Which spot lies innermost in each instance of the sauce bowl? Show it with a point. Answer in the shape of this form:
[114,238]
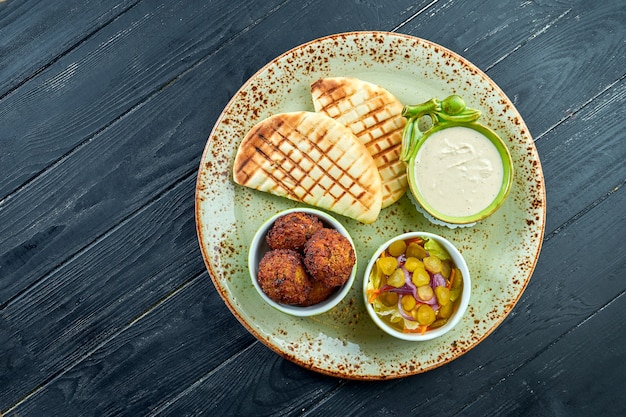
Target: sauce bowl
[459,171]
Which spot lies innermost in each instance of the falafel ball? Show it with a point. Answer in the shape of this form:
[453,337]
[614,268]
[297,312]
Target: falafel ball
[292,230]
[283,277]
[319,292]
[329,257]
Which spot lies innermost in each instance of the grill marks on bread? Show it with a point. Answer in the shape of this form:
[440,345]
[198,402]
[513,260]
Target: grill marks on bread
[311,158]
[375,116]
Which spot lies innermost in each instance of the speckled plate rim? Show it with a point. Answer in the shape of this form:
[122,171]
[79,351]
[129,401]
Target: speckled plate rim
[220,247]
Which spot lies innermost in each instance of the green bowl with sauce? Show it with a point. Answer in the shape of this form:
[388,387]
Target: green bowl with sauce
[459,171]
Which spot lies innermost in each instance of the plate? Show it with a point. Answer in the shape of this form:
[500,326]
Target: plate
[501,251]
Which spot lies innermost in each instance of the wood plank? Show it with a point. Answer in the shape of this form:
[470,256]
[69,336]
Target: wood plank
[534,61]
[129,60]
[99,292]
[491,30]
[103,183]
[553,70]
[591,156]
[116,70]
[537,53]
[140,368]
[545,386]
[22,246]
[441,378]
[282,388]
[34,34]
[97,190]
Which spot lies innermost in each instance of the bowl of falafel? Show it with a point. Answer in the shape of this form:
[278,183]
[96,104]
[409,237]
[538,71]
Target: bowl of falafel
[302,261]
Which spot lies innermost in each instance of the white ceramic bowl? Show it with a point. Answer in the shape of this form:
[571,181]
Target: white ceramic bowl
[259,247]
[456,315]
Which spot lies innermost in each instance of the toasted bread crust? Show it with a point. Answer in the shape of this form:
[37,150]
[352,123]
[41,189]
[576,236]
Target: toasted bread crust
[311,158]
[375,116]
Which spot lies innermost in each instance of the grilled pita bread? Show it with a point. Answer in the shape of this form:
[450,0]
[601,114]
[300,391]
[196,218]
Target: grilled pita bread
[373,114]
[311,158]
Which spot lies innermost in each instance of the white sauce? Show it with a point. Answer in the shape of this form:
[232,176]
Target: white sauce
[458,171]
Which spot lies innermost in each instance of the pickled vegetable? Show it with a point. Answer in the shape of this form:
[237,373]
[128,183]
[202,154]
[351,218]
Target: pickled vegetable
[408,302]
[396,279]
[415,285]
[416,251]
[458,279]
[433,264]
[446,311]
[438,323]
[425,292]
[455,293]
[412,263]
[389,299]
[425,314]
[397,248]
[456,285]
[446,269]
[387,264]
[443,295]
[420,277]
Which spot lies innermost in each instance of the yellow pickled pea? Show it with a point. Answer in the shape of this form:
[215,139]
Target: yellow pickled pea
[446,268]
[412,263]
[408,302]
[397,248]
[389,299]
[433,264]
[416,251]
[396,279]
[425,292]
[420,277]
[455,293]
[425,315]
[443,295]
[438,323]
[387,264]
[446,311]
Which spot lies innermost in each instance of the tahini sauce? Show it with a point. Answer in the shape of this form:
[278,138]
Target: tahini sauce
[458,171]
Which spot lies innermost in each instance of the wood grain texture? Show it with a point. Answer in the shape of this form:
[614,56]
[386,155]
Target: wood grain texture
[285,387]
[130,163]
[105,305]
[95,199]
[109,75]
[35,34]
[88,300]
[579,316]
[554,70]
[149,360]
[546,385]
[492,30]
[586,150]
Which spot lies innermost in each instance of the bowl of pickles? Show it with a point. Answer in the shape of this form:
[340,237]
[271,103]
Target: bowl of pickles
[417,286]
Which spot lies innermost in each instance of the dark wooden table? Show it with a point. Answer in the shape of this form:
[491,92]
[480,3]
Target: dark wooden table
[106,307]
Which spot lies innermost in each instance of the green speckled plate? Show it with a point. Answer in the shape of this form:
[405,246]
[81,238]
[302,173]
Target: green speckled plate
[501,251]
